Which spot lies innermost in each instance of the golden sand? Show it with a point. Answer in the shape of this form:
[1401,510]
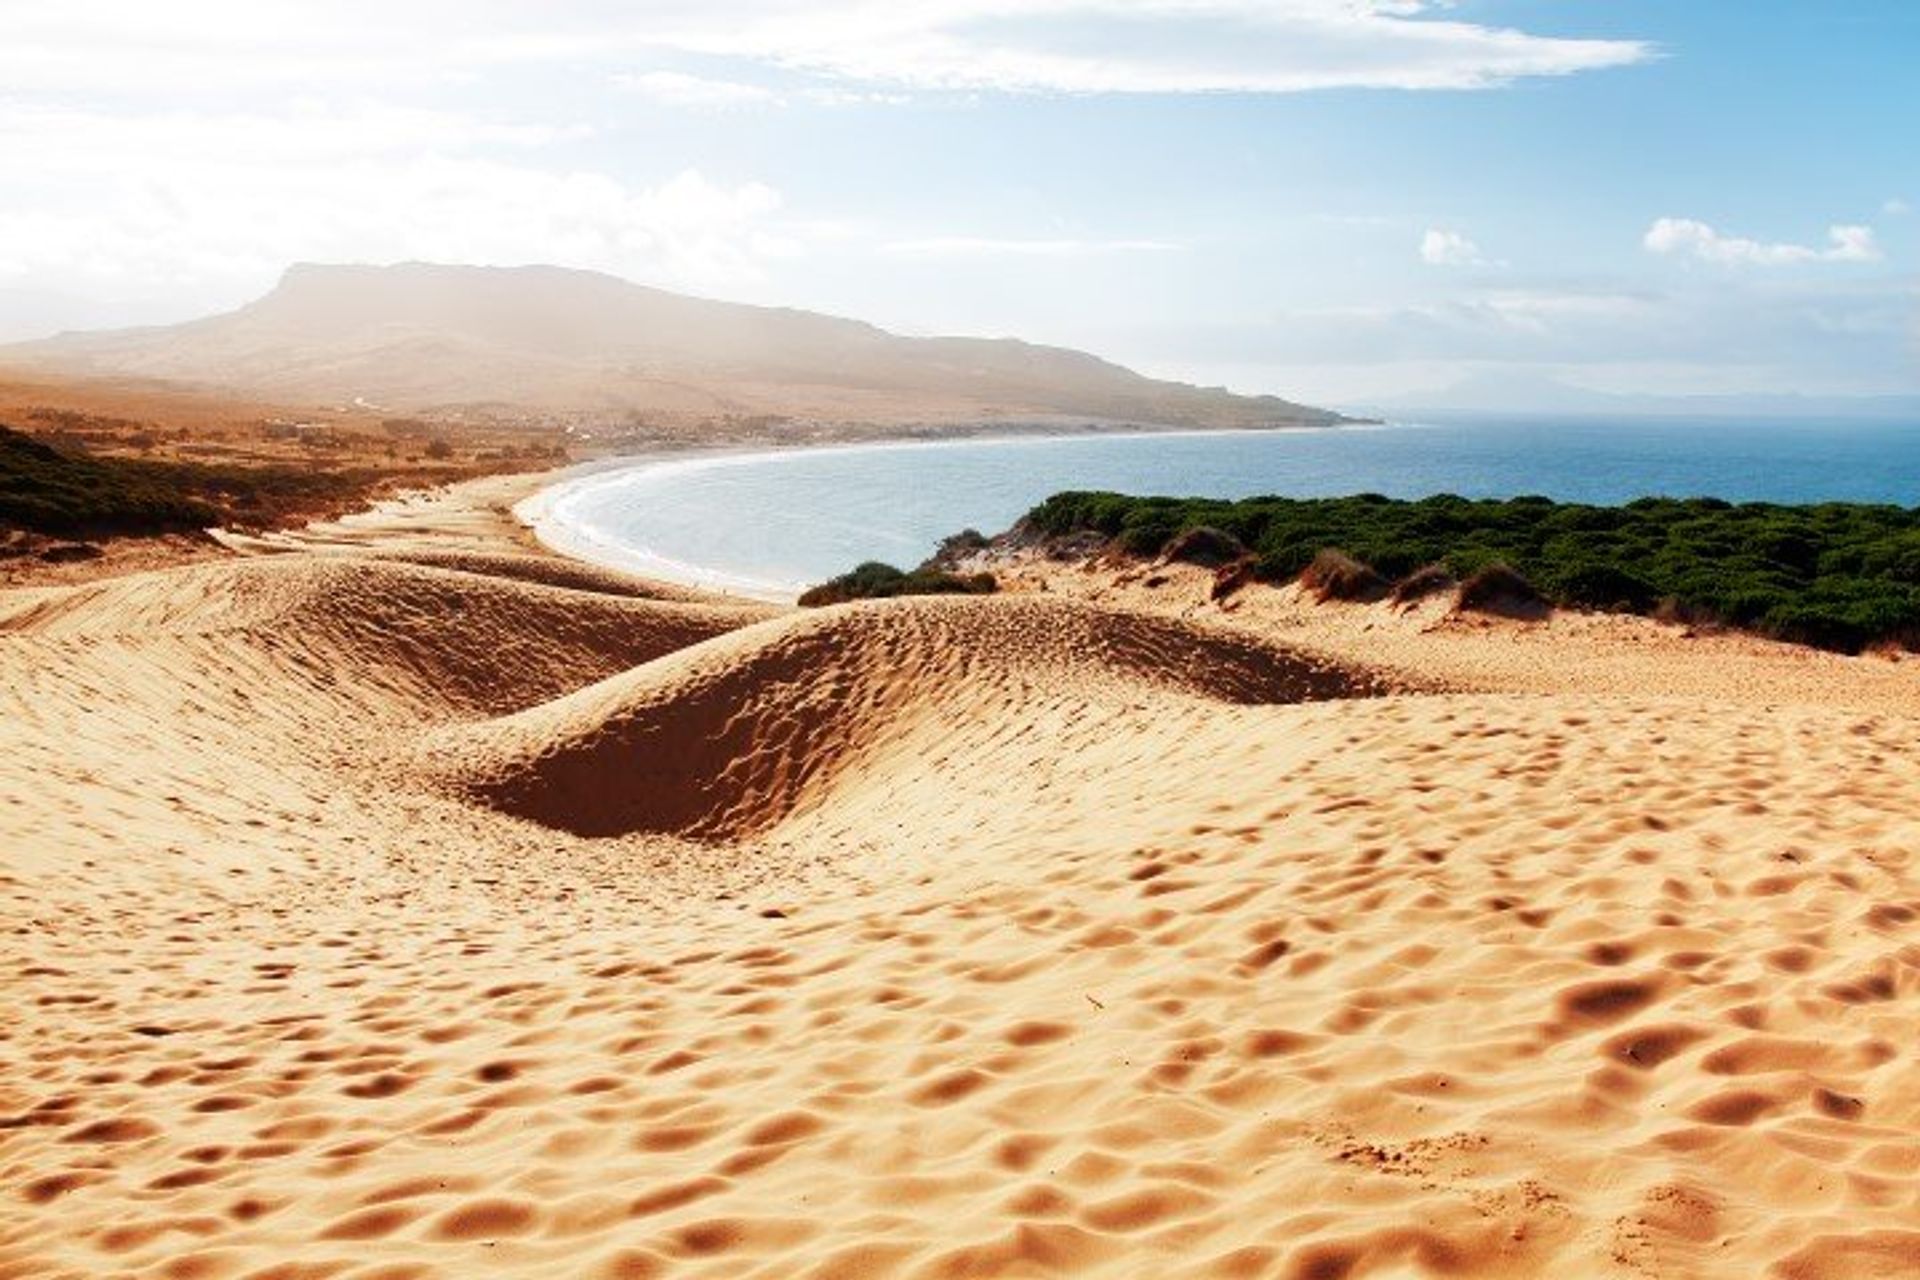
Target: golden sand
[404,906]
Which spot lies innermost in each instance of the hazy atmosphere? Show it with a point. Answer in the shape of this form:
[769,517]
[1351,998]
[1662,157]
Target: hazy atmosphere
[1340,201]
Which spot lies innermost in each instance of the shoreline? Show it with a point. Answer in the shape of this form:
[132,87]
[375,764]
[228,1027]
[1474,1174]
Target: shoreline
[865,500]
[551,530]
[535,514]
[519,501]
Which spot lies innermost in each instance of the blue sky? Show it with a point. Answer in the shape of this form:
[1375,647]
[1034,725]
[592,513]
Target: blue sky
[1332,199]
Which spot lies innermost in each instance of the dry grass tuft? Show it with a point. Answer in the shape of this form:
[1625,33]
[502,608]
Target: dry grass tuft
[1499,589]
[1335,575]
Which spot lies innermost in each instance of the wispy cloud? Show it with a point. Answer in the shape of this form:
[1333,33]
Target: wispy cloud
[1755,330]
[1687,236]
[1134,46]
[698,93]
[1044,46]
[990,247]
[1441,248]
[1896,207]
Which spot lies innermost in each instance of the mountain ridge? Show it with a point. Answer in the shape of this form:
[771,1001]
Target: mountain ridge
[426,337]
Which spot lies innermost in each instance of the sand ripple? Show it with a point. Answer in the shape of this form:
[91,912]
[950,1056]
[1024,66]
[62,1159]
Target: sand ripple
[366,919]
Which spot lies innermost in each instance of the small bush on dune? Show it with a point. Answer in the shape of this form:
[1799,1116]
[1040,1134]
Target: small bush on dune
[954,549]
[1205,546]
[1497,589]
[1419,585]
[876,581]
[1677,612]
[1229,578]
[1335,575]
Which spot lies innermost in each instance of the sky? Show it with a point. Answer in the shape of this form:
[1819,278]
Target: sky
[1334,200]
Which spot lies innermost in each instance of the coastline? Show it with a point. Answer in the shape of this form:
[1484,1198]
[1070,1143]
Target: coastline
[551,529]
[537,515]
[780,526]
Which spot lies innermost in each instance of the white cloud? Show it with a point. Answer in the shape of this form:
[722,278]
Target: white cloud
[676,89]
[705,93]
[828,96]
[43,140]
[1439,248]
[1070,46]
[982,247]
[219,226]
[210,208]
[1133,46]
[167,151]
[1685,235]
[1896,208]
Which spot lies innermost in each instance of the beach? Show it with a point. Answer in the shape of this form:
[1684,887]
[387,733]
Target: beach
[398,899]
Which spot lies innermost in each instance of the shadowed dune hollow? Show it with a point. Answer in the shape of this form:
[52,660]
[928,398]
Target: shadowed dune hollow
[726,739]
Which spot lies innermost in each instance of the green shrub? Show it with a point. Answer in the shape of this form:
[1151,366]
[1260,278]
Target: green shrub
[874,580]
[1501,589]
[47,490]
[1837,575]
[1205,546]
[1598,584]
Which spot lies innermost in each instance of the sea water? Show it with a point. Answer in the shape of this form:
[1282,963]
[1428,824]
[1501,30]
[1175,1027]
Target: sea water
[770,523]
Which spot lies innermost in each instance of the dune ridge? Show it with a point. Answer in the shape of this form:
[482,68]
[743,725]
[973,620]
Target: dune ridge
[1012,936]
[727,739]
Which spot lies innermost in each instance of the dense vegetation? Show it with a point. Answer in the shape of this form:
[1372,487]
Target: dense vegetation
[1837,575]
[873,581]
[48,490]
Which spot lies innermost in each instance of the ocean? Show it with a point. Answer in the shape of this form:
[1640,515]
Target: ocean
[771,523]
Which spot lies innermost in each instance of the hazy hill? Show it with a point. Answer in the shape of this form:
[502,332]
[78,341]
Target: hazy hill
[421,337]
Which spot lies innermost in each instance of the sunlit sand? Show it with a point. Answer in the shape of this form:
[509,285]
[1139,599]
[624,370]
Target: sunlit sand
[378,910]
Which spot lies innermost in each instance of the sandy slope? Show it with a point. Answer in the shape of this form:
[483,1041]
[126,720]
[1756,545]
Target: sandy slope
[378,918]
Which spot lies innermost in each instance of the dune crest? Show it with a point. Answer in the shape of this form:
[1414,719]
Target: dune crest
[726,740]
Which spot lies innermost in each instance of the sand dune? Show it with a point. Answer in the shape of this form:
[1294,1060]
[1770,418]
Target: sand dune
[378,919]
[545,571]
[730,738]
